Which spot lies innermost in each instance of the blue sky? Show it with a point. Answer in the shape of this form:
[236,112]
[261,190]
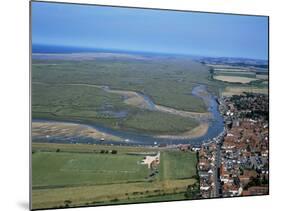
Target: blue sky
[189,33]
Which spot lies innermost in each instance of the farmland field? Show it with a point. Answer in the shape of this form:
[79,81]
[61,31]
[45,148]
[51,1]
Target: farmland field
[238,80]
[77,175]
[262,76]
[234,79]
[233,90]
[247,74]
[239,74]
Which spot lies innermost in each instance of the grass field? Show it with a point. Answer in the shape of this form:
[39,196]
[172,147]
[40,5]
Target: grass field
[77,175]
[79,196]
[173,168]
[70,169]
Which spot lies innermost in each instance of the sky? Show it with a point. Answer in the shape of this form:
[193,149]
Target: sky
[190,33]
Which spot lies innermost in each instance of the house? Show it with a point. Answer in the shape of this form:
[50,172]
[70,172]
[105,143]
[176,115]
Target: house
[150,160]
[255,190]
[185,147]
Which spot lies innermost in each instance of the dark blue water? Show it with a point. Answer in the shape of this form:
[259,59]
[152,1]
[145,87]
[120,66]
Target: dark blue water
[38,48]
[56,49]
[216,127]
[216,123]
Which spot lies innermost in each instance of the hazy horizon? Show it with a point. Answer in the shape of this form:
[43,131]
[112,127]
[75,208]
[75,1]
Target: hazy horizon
[85,49]
[147,30]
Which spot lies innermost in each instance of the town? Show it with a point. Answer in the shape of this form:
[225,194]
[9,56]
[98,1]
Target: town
[236,163]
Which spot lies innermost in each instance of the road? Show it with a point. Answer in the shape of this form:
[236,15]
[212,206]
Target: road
[216,175]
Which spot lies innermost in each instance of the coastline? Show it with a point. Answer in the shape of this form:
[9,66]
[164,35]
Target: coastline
[46,129]
[67,129]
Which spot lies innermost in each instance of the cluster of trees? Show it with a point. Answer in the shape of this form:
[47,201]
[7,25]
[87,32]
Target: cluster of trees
[102,151]
[192,191]
[255,104]
[67,203]
[106,151]
[212,72]
[256,181]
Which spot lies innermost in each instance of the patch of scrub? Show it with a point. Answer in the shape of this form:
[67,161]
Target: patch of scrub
[115,114]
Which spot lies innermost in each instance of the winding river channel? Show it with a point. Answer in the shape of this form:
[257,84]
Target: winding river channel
[213,119]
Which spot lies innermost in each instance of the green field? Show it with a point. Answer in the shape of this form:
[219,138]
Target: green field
[237,73]
[83,175]
[173,168]
[70,169]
